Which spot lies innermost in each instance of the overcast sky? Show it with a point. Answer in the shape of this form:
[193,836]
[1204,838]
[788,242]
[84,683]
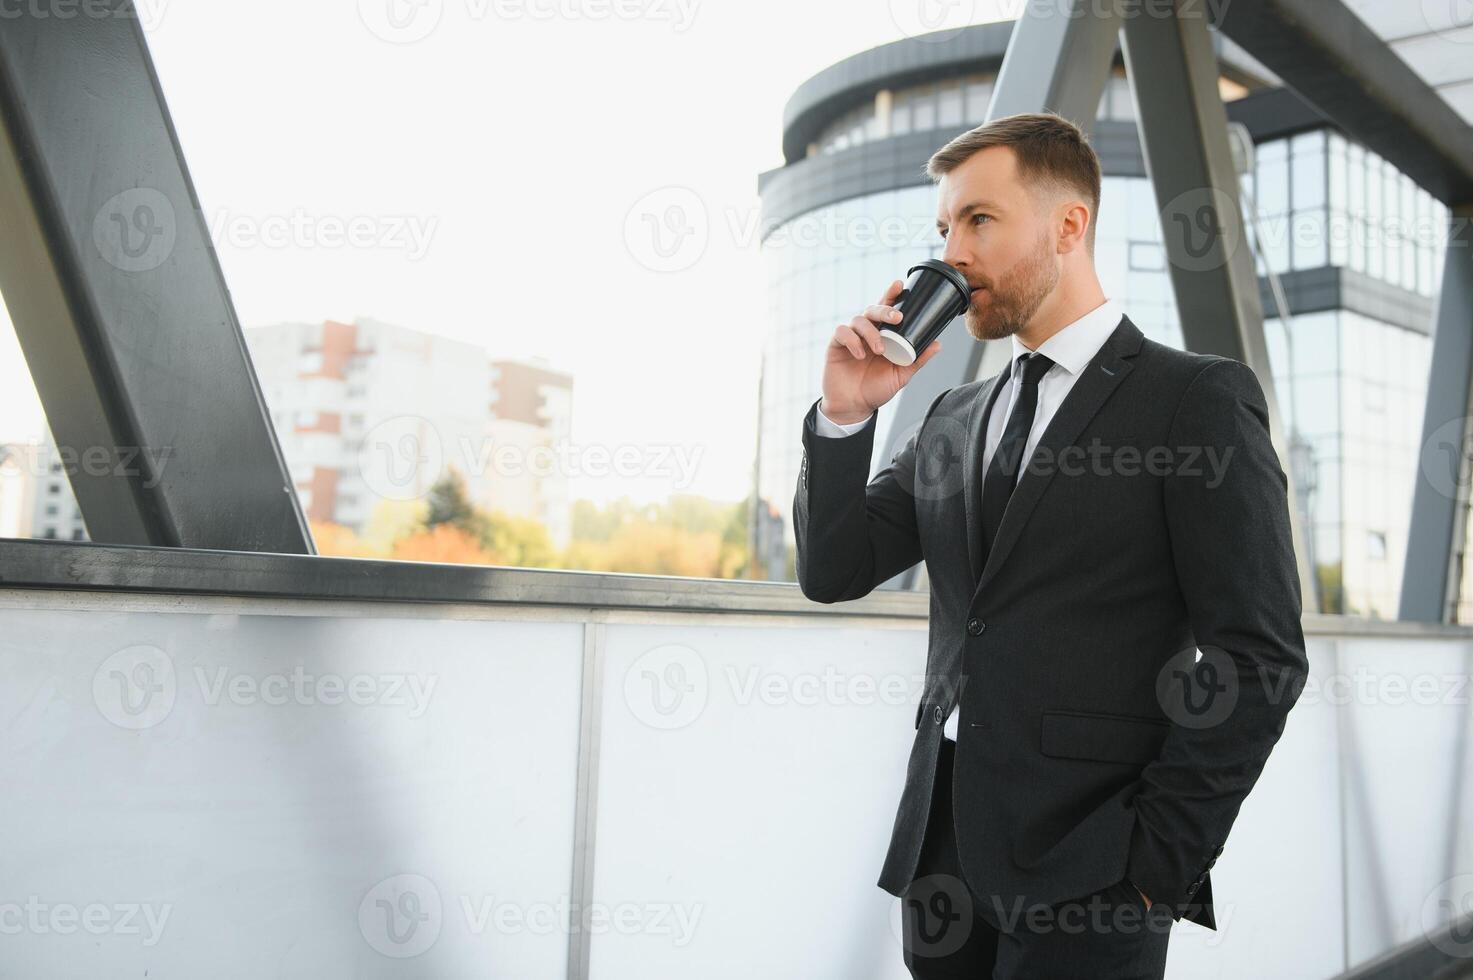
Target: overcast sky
[494,154]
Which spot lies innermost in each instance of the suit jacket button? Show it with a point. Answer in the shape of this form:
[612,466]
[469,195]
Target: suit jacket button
[936,713]
[975,627]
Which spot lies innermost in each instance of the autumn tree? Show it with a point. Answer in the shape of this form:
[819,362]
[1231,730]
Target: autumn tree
[442,543]
[450,504]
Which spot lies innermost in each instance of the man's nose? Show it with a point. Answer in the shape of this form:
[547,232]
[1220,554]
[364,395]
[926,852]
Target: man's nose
[955,254]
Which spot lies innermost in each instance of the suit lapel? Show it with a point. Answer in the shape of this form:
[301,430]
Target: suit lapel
[1096,383]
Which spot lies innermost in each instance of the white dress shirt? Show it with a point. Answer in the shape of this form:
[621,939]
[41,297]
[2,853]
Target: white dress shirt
[1071,349]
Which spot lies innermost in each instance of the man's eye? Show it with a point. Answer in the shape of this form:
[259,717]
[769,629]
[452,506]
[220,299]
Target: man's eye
[978,217]
[941,232]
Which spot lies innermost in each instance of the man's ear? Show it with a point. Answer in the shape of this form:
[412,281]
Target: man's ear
[1074,219]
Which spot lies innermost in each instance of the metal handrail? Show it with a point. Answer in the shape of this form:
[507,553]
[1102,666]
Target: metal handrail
[27,563]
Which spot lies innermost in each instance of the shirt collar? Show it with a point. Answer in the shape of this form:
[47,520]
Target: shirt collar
[1077,343]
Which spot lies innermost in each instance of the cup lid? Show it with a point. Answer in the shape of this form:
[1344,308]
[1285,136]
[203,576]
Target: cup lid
[951,272]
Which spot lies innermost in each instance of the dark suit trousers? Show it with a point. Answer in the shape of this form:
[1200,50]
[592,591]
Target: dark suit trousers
[951,931]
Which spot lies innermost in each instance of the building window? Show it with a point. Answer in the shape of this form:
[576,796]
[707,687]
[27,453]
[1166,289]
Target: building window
[1147,257]
[949,108]
[923,108]
[1116,100]
[978,95]
[900,115]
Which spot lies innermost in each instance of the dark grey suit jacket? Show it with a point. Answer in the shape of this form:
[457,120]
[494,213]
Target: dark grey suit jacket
[1152,518]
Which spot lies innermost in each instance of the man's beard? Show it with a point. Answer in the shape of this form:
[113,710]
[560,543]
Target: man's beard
[1011,302]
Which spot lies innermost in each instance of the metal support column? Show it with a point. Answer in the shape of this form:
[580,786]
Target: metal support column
[585,801]
[1434,560]
[1183,129]
[118,300]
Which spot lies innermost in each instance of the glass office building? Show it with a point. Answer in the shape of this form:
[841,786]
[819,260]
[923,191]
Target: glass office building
[1356,246]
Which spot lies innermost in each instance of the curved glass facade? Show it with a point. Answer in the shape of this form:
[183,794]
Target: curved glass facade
[1323,200]
[1351,387]
[959,102]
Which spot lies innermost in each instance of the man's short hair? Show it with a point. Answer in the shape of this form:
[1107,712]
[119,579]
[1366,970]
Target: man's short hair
[1050,150]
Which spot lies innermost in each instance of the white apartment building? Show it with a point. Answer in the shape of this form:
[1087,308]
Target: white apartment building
[369,411]
[36,495]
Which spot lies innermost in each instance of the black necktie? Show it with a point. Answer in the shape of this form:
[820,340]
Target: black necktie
[1002,474]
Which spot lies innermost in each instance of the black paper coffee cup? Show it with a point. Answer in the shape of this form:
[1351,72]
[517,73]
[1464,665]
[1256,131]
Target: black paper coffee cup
[935,294]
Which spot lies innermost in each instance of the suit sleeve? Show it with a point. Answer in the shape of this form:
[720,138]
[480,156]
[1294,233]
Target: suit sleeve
[828,428]
[1233,550]
[852,536]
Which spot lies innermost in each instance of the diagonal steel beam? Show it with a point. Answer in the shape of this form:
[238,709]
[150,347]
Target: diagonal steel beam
[118,299]
[1435,560]
[1058,60]
[1183,129]
[1333,61]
